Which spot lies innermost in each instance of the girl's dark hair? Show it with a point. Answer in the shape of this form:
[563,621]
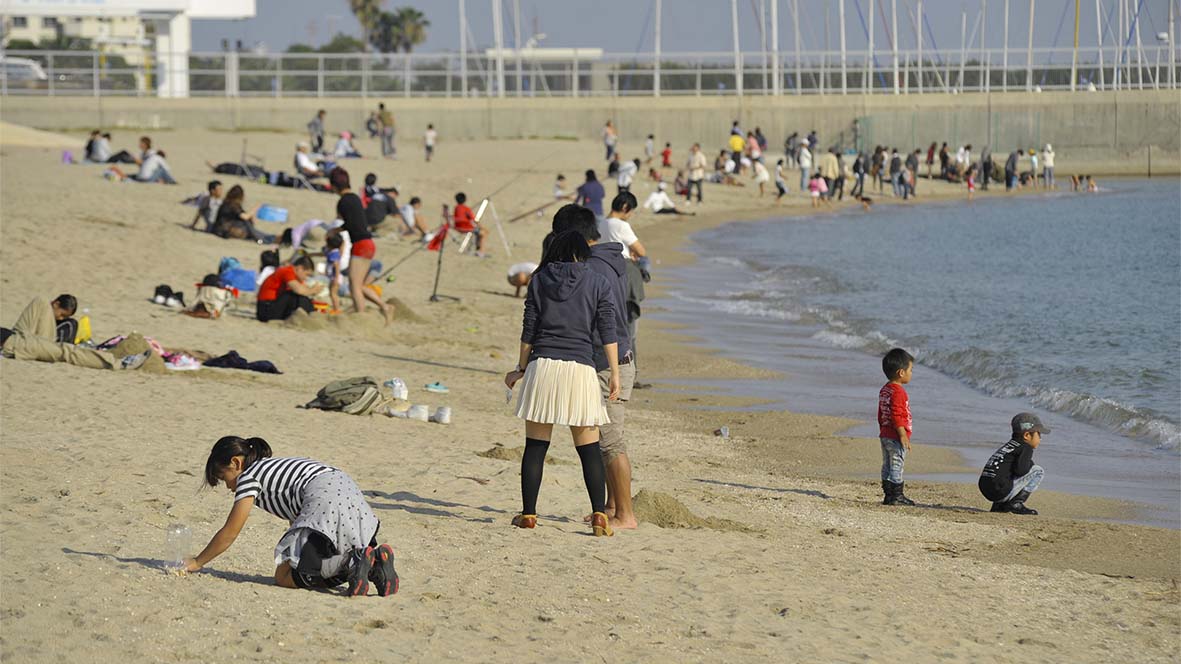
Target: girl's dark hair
[234,196]
[229,447]
[269,258]
[339,178]
[370,179]
[146,141]
[567,247]
[67,302]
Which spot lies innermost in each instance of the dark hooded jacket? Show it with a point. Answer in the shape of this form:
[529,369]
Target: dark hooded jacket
[567,304]
[607,259]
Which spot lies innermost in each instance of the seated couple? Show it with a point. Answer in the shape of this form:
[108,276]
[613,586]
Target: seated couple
[231,221]
[152,168]
[45,333]
[98,150]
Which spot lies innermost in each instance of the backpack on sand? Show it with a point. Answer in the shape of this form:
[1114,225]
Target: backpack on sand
[355,396]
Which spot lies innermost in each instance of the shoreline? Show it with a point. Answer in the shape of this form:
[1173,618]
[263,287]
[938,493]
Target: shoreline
[746,549]
[674,250]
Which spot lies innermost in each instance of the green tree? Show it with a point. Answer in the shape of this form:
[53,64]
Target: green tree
[411,28]
[368,13]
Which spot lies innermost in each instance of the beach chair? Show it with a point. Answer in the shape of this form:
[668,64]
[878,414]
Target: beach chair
[301,181]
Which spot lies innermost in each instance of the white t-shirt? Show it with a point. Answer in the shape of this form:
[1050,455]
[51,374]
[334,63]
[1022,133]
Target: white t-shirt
[304,160]
[649,148]
[627,171]
[407,211]
[657,201]
[779,177]
[612,229]
[429,137]
[343,148]
[522,268]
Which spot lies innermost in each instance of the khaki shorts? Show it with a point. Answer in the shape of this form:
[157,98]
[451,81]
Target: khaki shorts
[611,435]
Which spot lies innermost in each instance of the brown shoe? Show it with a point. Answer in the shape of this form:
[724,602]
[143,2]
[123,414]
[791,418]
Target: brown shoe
[525,520]
[601,525]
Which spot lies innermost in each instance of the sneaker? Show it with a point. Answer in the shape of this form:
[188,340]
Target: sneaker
[383,576]
[360,566]
[135,361]
[436,387]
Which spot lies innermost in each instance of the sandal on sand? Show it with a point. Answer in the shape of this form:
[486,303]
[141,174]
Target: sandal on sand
[601,525]
[383,576]
[362,564]
[525,520]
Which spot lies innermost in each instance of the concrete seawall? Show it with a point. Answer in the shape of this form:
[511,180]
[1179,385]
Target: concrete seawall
[1109,133]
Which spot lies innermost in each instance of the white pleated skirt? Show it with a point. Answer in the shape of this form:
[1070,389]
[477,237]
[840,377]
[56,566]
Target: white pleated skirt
[561,392]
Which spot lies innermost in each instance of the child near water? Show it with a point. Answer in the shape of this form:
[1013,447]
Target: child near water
[332,537]
[894,424]
[1010,474]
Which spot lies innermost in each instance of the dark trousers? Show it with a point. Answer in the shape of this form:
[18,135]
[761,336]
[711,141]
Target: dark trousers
[858,186]
[838,188]
[986,171]
[283,306]
[689,191]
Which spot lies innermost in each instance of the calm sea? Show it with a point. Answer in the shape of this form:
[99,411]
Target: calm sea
[1065,304]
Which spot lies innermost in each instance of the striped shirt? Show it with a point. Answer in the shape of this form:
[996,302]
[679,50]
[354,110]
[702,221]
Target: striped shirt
[275,484]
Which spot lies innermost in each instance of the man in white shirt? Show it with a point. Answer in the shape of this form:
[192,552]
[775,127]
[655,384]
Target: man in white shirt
[615,227]
[697,165]
[303,161]
[659,202]
[627,173]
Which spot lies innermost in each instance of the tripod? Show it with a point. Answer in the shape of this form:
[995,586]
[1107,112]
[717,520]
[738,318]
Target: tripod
[444,230]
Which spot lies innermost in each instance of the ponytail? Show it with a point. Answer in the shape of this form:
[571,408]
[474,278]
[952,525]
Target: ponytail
[228,447]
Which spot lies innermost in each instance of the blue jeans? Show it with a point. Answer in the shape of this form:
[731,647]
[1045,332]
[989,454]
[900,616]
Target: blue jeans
[1048,176]
[893,458]
[804,179]
[1028,482]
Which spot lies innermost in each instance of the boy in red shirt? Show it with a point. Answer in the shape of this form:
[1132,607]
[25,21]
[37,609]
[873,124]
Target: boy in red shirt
[666,155]
[894,424]
[465,222]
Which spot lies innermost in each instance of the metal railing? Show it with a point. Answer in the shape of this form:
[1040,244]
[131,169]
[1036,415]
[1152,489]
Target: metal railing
[86,73]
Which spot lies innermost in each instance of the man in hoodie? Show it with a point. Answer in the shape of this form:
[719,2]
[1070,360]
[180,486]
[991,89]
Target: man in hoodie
[607,259]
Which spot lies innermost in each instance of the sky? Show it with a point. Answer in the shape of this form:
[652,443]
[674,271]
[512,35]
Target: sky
[626,26]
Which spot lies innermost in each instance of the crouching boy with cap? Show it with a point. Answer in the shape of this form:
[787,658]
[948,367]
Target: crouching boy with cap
[1010,474]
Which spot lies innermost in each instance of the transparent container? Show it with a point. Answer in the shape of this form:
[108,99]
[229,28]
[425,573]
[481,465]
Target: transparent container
[178,544]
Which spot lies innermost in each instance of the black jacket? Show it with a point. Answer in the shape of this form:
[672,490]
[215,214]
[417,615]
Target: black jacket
[1014,459]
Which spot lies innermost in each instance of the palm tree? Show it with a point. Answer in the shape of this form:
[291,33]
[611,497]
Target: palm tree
[368,13]
[411,28]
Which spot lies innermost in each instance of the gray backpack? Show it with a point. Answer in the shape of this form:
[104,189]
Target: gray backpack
[356,396]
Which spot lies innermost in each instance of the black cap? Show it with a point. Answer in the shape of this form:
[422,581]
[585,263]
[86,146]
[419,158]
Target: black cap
[1026,422]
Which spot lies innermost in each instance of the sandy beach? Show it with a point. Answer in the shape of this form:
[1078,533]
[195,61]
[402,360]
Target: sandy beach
[768,546]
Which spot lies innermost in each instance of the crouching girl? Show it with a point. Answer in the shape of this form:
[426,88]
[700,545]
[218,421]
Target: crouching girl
[333,533]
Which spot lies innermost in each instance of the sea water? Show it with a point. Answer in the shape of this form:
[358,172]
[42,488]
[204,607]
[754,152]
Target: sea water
[1065,304]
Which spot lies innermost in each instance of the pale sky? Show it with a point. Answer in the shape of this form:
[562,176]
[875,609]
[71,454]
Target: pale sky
[625,26]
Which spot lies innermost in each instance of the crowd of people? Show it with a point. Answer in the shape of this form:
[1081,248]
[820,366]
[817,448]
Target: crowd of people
[578,359]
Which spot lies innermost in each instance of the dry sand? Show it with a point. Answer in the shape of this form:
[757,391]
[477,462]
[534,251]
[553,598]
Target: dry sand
[769,546]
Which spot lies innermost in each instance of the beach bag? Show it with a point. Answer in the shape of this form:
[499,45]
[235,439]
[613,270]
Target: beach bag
[212,300]
[240,278]
[355,396]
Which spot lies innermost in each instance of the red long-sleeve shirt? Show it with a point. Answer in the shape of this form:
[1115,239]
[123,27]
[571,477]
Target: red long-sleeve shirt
[893,411]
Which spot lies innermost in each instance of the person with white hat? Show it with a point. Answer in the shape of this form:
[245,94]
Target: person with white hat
[659,202]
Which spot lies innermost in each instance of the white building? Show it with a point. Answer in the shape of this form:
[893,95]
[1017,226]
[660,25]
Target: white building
[170,20]
[124,36]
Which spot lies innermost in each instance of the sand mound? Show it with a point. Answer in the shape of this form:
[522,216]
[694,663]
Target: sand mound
[134,344]
[11,134]
[369,325]
[515,454]
[661,509]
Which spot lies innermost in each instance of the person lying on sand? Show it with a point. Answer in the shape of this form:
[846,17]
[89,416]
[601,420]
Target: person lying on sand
[332,538]
[35,336]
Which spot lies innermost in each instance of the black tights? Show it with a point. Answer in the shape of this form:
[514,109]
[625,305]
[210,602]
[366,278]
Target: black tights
[594,474]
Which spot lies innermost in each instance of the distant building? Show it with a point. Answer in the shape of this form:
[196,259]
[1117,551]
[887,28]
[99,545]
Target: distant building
[125,36]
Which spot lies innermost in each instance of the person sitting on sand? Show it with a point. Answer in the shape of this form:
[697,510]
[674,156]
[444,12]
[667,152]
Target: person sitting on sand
[566,301]
[465,222]
[208,204]
[659,202]
[282,293]
[412,219]
[233,222]
[344,147]
[332,534]
[338,270]
[36,336]
[152,168]
[1010,474]
[380,202]
[519,276]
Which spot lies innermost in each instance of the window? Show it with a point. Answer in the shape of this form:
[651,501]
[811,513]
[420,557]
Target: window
[49,22]
[20,21]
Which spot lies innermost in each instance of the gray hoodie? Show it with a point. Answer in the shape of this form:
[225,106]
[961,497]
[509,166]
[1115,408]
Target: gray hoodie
[607,259]
[567,304]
